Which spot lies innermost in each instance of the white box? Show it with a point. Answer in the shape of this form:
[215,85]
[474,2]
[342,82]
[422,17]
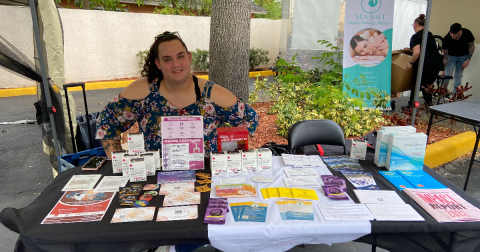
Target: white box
[137,170]
[382,139]
[264,159]
[249,161]
[234,162]
[149,163]
[136,143]
[158,158]
[126,163]
[359,149]
[218,164]
[117,157]
[406,151]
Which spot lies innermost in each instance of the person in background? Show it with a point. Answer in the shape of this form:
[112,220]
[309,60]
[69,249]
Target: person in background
[432,62]
[458,47]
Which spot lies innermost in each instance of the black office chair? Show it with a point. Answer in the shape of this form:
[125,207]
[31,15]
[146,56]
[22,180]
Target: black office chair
[311,132]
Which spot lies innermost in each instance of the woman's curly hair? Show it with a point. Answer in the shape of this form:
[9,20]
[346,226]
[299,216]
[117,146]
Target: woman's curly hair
[150,70]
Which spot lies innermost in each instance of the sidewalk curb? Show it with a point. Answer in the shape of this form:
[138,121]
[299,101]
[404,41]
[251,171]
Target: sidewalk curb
[449,149]
[10,92]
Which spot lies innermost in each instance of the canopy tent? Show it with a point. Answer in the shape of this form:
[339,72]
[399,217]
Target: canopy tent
[48,72]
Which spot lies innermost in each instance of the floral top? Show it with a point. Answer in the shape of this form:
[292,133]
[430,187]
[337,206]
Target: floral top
[122,113]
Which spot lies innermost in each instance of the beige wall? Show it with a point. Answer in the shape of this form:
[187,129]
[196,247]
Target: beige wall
[101,45]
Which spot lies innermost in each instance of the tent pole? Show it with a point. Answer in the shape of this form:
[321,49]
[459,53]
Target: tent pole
[44,73]
[422,60]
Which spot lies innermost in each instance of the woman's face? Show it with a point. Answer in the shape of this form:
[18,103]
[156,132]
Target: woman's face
[174,61]
[363,48]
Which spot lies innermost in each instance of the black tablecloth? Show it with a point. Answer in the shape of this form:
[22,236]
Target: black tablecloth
[138,236]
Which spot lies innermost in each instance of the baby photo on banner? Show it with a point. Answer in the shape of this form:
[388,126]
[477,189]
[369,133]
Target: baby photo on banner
[367,43]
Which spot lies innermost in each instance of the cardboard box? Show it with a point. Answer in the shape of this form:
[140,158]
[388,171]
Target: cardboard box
[401,79]
[232,139]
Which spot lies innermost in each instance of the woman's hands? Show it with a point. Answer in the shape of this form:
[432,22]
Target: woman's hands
[381,42]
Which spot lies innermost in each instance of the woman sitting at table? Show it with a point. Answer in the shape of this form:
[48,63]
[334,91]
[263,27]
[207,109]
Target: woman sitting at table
[168,89]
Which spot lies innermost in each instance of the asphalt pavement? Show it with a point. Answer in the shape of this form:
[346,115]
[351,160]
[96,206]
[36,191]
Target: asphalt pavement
[26,170]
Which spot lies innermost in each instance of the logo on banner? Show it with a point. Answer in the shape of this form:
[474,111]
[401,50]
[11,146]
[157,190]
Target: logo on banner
[371,6]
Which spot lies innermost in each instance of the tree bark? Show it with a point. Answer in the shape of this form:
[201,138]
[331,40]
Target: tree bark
[229,45]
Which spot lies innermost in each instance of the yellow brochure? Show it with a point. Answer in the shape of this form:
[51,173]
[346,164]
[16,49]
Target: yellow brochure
[285,192]
[273,192]
[307,194]
[264,193]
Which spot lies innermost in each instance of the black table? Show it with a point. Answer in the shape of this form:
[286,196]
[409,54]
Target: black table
[138,236]
[464,111]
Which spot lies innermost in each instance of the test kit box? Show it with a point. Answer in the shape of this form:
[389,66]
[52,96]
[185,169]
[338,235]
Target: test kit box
[218,164]
[264,159]
[126,163]
[137,170]
[136,143]
[359,149]
[149,163]
[249,161]
[234,162]
[232,138]
[117,157]
[381,145]
[406,151]
[158,158]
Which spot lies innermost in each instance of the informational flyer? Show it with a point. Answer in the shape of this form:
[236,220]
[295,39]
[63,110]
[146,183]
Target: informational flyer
[82,182]
[111,183]
[182,143]
[80,206]
[345,212]
[177,213]
[133,214]
[394,212]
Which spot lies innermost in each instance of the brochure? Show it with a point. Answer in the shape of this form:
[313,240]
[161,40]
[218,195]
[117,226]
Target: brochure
[378,197]
[81,182]
[282,206]
[182,143]
[301,182]
[361,180]
[299,210]
[421,180]
[394,212]
[396,179]
[337,162]
[80,206]
[444,205]
[133,214]
[236,191]
[176,177]
[177,213]
[236,209]
[345,212]
[183,198]
[255,212]
[176,188]
[111,183]
[307,194]
[302,172]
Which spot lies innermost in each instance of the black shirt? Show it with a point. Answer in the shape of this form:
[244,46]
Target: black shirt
[431,52]
[458,47]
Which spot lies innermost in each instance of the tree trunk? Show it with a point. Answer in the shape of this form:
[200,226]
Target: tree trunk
[229,45]
[86,4]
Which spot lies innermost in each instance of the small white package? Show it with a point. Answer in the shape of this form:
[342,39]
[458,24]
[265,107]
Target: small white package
[234,162]
[126,163]
[137,170]
[158,158]
[406,151]
[117,157]
[249,161]
[149,163]
[136,143]
[264,159]
[359,149]
[218,164]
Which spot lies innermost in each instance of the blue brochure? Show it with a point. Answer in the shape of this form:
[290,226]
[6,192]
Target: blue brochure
[396,179]
[421,180]
[256,212]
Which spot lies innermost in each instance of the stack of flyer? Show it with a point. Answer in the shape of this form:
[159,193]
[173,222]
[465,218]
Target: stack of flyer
[236,191]
[249,211]
[289,193]
[179,194]
[302,160]
[295,210]
[412,179]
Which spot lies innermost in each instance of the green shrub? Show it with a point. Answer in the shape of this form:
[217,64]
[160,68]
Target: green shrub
[257,57]
[142,55]
[200,60]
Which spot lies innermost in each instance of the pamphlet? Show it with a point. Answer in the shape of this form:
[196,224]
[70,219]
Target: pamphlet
[301,182]
[444,205]
[421,180]
[177,213]
[302,172]
[345,212]
[133,214]
[111,183]
[285,193]
[182,143]
[338,162]
[307,194]
[80,206]
[361,180]
[176,188]
[299,210]
[236,191]
[183,198]
[378,197]
[81,182]
[394,212]
[249,211]
[396,179]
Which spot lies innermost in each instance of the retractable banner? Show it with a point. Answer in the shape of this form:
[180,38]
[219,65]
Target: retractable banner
[367,43]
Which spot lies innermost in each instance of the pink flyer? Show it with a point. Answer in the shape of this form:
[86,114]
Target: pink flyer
[182,143]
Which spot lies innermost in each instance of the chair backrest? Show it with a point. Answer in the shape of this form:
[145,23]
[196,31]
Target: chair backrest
[439,43]
[310,132]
